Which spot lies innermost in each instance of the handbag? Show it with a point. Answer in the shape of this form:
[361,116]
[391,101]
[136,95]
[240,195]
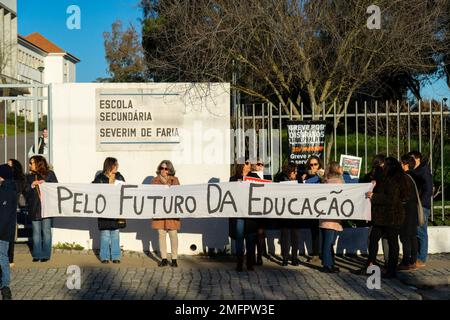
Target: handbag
[420,213]
[121,223]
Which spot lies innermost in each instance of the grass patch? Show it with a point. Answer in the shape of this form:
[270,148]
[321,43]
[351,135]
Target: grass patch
[68,246]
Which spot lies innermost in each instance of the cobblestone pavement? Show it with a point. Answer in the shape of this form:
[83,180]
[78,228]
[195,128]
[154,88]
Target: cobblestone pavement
[197,278]
[201,284]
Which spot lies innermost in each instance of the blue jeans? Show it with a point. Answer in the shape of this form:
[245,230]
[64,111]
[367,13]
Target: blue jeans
[328,240]
[4,263]
[109,245]
[422,237]
[42,238]
[249,239]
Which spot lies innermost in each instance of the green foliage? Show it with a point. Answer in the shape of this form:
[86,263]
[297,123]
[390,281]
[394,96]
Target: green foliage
[68,246]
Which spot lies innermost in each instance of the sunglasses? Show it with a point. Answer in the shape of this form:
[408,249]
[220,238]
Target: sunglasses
[313,164]
[163,169]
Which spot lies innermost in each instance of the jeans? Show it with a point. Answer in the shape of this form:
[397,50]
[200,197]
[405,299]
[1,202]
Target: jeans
[249,239]
[328,240]
[4,263]
[109,245]
[42,238]
[422,237]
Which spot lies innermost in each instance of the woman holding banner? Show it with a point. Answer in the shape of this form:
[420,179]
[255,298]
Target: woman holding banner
[109,228]
[330,228]
[165,174]
[42,228]
[314,174]
[257,171]
[240,229]
[290,228]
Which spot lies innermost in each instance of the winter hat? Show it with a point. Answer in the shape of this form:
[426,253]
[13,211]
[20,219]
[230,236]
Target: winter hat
[6,172]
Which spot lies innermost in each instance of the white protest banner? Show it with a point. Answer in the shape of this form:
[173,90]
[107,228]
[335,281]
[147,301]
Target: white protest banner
[215,200]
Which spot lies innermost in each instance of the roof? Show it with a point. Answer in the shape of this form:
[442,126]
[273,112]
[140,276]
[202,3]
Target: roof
[46,45]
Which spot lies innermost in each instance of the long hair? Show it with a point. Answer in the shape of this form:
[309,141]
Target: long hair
[169,165]
[288,168]
[109,164]
[41,165]
[18,175]
[393,172]
[318,160]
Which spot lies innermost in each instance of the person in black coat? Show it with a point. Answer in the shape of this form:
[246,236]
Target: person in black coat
[290,228]
[422,170]
[42,228]
[8,206]
[408,231]
[20,182]
[240,229]
[109,228]
[388,213]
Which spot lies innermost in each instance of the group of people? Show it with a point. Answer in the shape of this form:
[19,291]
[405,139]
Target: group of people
[400,200]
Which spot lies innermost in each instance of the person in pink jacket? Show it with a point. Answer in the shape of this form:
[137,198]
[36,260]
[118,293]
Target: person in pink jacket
[330,228]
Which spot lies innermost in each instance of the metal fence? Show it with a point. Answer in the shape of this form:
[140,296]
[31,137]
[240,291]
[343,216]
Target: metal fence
[23,107]
[363,129]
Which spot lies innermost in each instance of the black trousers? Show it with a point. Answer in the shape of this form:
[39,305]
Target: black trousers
[391,234]
[410,248]
[289,237]
[315,237]
[11,252]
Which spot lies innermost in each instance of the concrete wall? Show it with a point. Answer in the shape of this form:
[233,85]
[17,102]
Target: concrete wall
[76,160]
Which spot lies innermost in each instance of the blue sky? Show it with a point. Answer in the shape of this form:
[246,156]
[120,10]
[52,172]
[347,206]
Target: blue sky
[49,18]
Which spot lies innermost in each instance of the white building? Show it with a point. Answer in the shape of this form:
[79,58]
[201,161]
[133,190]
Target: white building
[31,59]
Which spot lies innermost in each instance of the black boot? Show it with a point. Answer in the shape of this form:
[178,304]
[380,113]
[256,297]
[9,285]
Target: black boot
[250,262]
[163,263]
[240,264]
[6,293]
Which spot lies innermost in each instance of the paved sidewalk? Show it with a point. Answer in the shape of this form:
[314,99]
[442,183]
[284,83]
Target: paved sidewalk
[200,278]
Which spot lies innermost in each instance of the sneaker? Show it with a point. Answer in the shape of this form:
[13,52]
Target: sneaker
[420,264]
[116,261]
[174,263]
[6,293]
[36,260]
[105,261]
[295,262]
[163,263]
[285,262]
[44,260]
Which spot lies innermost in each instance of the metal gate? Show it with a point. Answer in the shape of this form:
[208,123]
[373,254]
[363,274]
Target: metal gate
[26,111]
[24,116]
[362,129]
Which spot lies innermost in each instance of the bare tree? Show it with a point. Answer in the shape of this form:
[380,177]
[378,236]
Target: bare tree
[315,52]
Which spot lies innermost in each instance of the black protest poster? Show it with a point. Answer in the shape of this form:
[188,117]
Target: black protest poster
[305,138]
